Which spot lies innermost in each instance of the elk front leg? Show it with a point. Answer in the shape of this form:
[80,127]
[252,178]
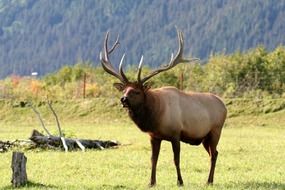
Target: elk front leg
[155,147]
[176,152]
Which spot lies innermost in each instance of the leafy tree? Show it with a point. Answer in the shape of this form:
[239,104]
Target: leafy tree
[44,35]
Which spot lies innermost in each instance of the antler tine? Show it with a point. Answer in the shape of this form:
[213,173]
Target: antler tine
[173,61]
[109,68]
[115,44]
[121,68]
[140,69]
[105,62]
[106,46]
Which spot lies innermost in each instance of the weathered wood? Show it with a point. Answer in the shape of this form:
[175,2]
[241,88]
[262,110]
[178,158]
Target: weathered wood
[56,119]
[19,175]
[5,145]
[40,119]
[53,141]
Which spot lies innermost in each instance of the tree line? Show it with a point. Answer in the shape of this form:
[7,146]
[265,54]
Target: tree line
[256,73]
[44,35]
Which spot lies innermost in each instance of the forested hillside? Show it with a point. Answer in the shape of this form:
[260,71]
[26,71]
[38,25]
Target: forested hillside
[43,35]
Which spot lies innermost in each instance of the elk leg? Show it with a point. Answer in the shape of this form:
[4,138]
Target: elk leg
[210,145]
[176,152]
[206,145]
[213,165]
[155,147]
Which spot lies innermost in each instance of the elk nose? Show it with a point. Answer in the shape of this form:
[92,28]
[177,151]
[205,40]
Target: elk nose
[124,99]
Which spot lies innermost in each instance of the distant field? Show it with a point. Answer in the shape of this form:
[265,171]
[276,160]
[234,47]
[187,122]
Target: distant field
[251,157]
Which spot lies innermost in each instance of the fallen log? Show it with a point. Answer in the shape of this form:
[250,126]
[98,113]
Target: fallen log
[5,145]
[56,142]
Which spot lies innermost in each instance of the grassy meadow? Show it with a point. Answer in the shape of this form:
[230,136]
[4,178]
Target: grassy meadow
[251,149]
[251,156]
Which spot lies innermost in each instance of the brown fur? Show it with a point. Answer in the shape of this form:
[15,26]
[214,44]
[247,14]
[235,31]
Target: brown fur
[167,113]
[199,108]
[170,114]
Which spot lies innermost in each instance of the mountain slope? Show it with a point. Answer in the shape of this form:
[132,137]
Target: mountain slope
[43,35]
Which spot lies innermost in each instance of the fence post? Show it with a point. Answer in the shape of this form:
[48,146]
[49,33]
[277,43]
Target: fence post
[84,85]
[19,176]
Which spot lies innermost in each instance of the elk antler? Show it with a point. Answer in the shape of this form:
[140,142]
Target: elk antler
[173,61]
[106,64]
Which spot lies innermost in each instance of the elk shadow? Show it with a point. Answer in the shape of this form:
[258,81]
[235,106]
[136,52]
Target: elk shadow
[31,184]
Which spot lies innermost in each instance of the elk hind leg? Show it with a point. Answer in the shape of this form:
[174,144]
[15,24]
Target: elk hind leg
[210,144]
[176,152]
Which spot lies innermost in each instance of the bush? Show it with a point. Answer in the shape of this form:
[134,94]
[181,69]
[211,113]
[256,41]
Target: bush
[255,73]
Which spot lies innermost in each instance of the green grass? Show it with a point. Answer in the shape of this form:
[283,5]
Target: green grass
[251,149]
[251,156]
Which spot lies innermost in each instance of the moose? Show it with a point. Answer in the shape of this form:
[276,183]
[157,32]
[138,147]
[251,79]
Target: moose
[167,113]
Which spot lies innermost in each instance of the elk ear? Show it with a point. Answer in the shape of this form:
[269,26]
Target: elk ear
[119,86]
[147,86]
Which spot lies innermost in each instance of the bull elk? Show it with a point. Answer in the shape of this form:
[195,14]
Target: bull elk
[167,113]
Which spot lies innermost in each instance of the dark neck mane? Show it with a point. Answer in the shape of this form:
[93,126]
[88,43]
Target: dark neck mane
[144,115]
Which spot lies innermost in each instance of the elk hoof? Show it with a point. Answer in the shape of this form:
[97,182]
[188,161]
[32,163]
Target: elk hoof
[152,184]
[180,183]
[209,183]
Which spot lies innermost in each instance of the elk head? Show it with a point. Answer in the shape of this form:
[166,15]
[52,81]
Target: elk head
[135,91]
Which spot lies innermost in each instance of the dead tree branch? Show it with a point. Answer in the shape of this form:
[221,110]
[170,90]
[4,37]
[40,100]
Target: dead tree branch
[41,120]
[58,126]
[56,118]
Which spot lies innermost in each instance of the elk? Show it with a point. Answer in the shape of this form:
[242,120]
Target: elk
[167,113]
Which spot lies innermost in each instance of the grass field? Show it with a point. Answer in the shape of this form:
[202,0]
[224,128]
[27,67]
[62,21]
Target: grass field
[251,156]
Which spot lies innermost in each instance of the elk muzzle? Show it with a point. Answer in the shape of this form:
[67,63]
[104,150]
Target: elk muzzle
[125,101]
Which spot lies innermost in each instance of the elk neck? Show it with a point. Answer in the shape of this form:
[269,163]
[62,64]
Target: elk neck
[145,115]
